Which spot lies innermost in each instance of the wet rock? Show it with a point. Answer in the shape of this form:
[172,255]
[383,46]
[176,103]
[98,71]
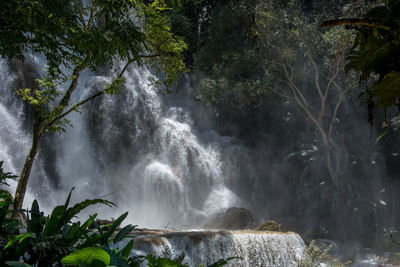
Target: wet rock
[232,219]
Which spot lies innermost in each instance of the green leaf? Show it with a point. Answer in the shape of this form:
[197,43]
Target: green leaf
[388,89]
[126,251]
[19,239]
[86,256]
[68,198]
[97,263]
[51,226]
[73,211]
[34,224]
[123,233]
[114,226]
[72,232]
[89,221]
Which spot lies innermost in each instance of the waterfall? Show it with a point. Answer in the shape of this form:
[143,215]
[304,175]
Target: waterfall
[14,141]
[253,248]
[143,149]
[154,155]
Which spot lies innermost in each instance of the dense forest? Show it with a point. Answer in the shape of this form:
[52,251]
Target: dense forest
[288,108]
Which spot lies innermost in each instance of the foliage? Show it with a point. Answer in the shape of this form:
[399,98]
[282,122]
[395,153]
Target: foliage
[376,51]
[167,48]
[269,226]
[87,256]
[313,256]
[232,78]
[5,175]
[58,239]
[48,239]
[8,225]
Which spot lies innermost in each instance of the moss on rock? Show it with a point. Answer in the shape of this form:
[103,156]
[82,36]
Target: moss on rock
[269,226]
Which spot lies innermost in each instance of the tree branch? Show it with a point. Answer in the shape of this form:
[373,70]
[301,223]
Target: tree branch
[75,77]
[91,14]
[351,22]
[76,106]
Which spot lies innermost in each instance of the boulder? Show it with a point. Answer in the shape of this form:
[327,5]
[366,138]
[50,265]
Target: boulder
[269,226]
[232,219]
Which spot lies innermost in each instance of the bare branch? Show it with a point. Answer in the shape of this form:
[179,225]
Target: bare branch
[350,22]
[338,103]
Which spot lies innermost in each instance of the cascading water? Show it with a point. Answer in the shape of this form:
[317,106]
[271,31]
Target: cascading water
[252,248]
[14,141]
[141,149]
[144,151]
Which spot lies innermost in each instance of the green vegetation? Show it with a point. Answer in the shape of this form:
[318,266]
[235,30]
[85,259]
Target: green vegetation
[61,240]
[269,226]
[314,256]
[376,50]
[75,36]
[266,68]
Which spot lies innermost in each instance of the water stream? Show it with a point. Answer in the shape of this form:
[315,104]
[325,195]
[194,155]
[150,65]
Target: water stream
[205,247]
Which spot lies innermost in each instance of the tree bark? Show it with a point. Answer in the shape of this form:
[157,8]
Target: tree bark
[26,171]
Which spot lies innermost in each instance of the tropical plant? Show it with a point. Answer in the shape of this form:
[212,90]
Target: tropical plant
[48,239]
[58,239]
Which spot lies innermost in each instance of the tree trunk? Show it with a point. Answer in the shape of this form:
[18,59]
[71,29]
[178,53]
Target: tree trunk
[26,171]
[328,157]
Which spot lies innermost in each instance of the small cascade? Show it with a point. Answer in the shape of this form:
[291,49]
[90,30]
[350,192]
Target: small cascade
[205,247]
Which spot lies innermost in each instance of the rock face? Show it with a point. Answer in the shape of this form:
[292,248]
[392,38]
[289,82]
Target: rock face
[205,247]
[231,219]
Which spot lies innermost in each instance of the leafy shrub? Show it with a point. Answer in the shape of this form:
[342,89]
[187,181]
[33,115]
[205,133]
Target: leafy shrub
[313,256]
